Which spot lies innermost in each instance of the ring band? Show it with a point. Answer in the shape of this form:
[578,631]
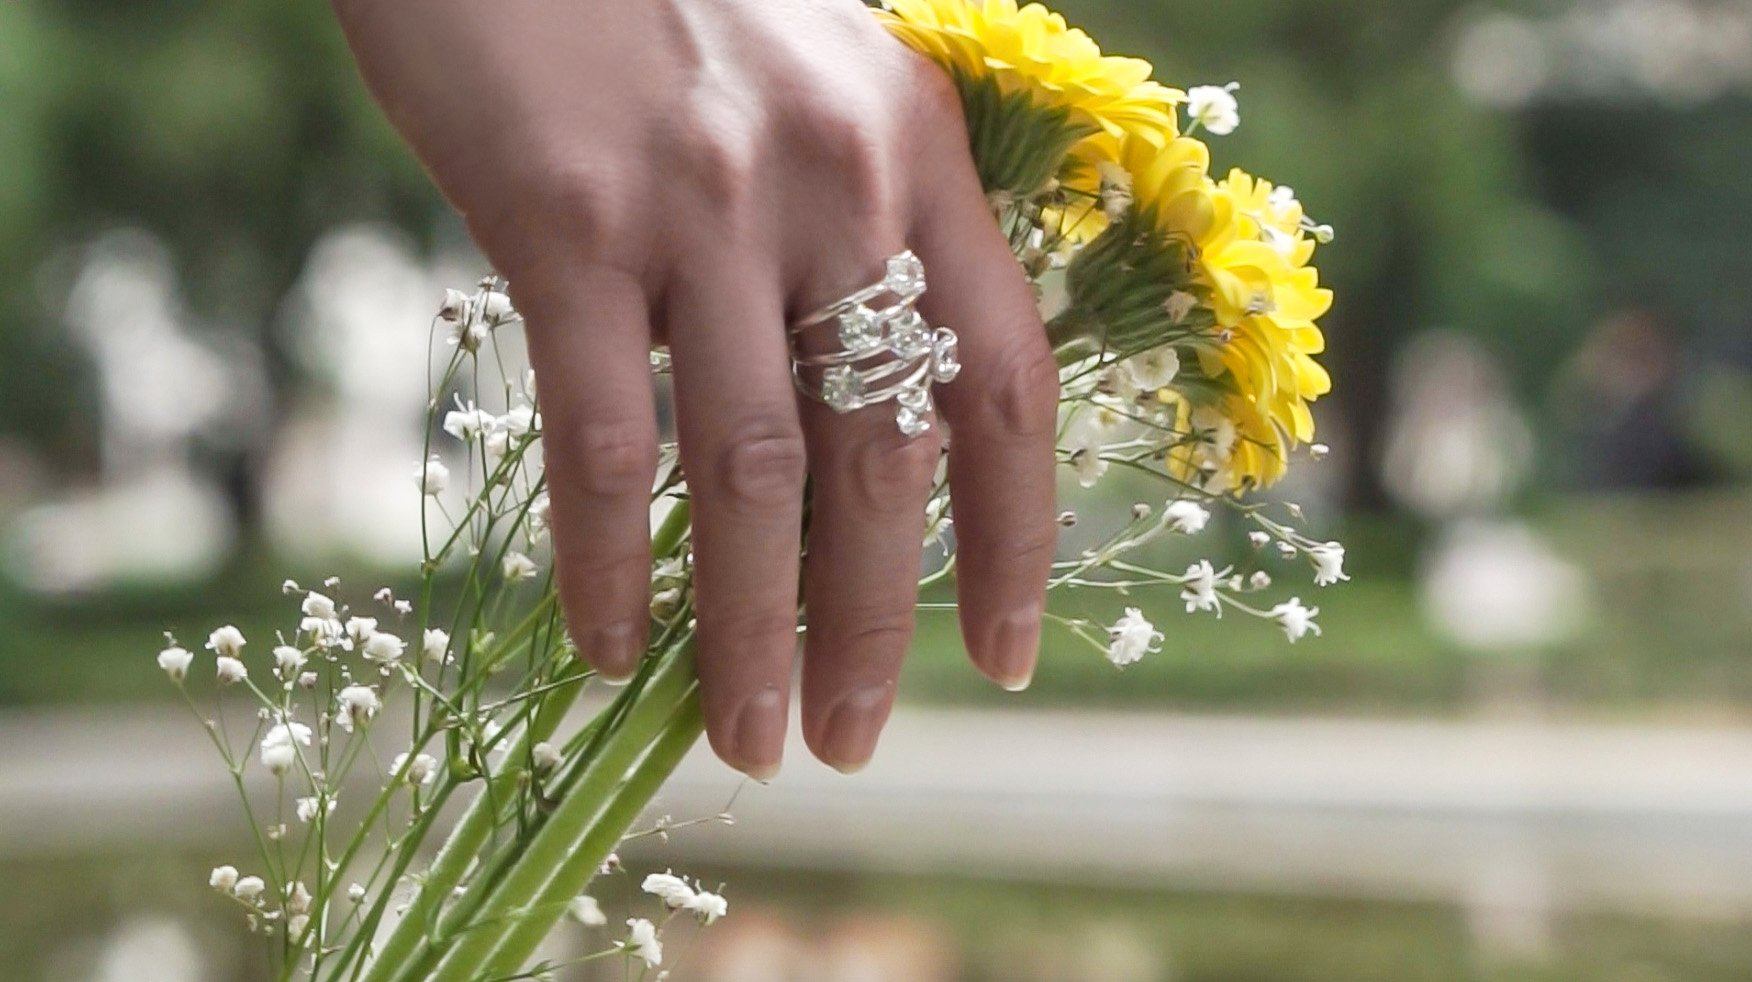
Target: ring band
[901,355]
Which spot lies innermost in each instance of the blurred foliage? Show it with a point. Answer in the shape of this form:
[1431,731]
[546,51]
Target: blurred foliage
[239,131]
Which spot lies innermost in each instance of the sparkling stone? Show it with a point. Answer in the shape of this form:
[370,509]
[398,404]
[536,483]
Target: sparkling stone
[906,276]
[911,422]
[909,336]
[842,389]
[945,356]
[859,328]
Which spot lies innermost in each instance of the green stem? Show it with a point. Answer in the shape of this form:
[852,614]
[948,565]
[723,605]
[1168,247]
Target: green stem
[466,840]
[559,846]
[635,792]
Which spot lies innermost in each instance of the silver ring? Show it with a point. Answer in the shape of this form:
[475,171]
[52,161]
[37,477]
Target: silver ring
[884,353]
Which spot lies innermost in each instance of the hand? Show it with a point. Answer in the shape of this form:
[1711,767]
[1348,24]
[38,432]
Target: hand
[696,172]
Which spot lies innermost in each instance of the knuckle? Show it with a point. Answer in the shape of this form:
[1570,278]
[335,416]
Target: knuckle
[766,460]
[869,631]
[1024,389]
[615,458]
[718,164]
[851,147]
[893,474]
[552,197]
[741,629]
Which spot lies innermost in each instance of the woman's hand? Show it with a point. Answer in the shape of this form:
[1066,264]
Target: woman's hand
[696,172]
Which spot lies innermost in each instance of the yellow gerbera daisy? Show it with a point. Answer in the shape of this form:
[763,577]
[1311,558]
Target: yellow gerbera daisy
[1032,86]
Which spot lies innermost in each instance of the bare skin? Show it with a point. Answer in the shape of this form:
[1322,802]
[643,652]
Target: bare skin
[696,172]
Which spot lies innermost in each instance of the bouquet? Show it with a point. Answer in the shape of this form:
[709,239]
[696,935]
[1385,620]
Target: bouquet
[1182,308]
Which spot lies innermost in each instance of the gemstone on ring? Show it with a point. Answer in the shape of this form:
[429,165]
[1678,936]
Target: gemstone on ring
[912,412]
[905,276]
[860,328]
[945,356]
[909,336]
[842,388]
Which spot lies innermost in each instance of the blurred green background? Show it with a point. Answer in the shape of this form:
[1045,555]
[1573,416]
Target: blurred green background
[1541,433]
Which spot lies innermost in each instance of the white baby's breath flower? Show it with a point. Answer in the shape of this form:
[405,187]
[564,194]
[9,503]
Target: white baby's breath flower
[540,514]
[307,680]
[1153,369]
[1214,107]
[278,757]
[309,807]
[1200,589]
[360,629]
[585,910]
[248,888]
[318,605]
[1186,517]
[229,670]
[355,706]
[288,660]
[383,647]
[496,308]
[421,770]
[1295,619]
[288,732]
[467,421]
[1178,305]
[296,925]
[326,632]
[403,607]
[454,307]
[642,942]
[175,661]
[289,587]
[517,567]
[298,897]
[671,889]
[544,756]
[356,893]
[1259,580]
[709,906]
[227,640]
[432,477]
[1259,540]
[520,420]
[1328,558]
[222,878]
[434,644]
[1131,638]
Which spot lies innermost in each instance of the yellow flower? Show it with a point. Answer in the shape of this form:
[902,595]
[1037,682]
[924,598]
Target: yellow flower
[1032,86]
[1224,445]
[1265,299]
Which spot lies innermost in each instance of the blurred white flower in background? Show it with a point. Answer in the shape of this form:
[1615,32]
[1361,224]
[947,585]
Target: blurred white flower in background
[1496,586]
[1214,107]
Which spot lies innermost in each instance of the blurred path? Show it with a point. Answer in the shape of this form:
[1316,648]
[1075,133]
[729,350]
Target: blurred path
[1555,816]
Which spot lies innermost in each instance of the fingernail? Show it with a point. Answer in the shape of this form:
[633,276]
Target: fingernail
[849,739]
[1014,648]
[613,651]
[758,739]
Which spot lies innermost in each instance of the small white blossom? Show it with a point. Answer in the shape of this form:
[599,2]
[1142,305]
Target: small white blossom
[545,756]
[317,605]
[1200,589]
[248,888]
[1259,580]
[289,587]
[434,643]
[309,807]
[287,732]
[288,660]
[671,889]
[709,906]
[1179,304]
[403,607]
[540,514]
[227,640]
[453,308]
[496,308]
[518,567]
[278,757]
[1214,107]
[175,661]
[1132,638]
[326,632]
[360,629]
[1318,450]
[421,770]
[1186,517]
[642,941]
[307,680]
[222,878]
[432,477]
[383,647]
[1328,560]
[229,670]
[356,705]
[585,910]
[296,924]
[356,893]
[298,897]
[1296,619]
[467,421]
[520,420]
[1153,369]
[1259,539]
